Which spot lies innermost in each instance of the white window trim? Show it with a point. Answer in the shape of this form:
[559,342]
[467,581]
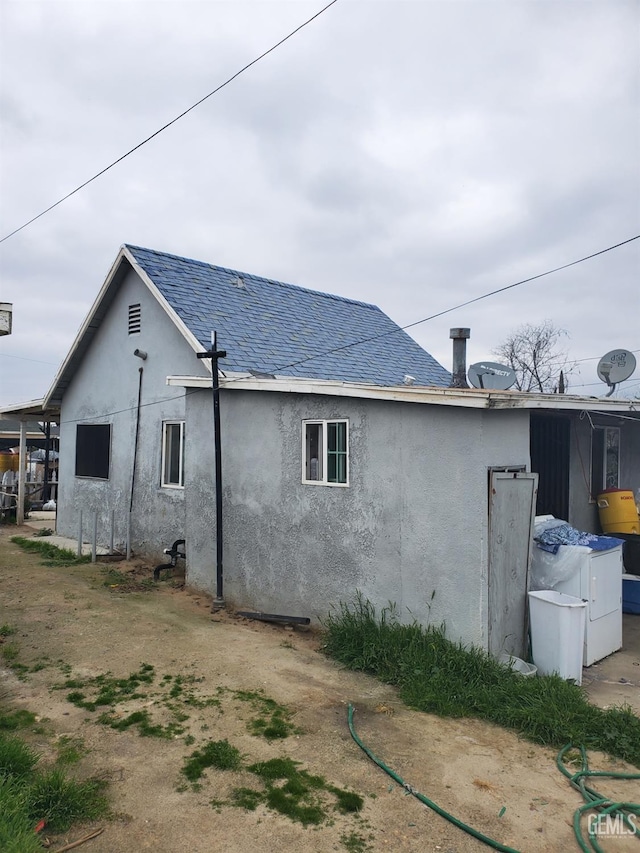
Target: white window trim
[324,481]
[163,484]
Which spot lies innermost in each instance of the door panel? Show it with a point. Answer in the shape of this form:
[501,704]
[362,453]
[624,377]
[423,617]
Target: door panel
[512,502]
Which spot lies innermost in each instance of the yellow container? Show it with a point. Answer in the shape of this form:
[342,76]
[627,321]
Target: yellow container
[9,462]
[618,512]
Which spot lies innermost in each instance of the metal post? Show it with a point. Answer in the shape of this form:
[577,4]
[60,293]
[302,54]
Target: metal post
[214,354]
[94,544]
[45,479]
[22,460]
[113,523]
[80,535]
[129,536]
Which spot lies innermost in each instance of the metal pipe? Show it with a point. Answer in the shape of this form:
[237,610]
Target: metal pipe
[80,535]
[22,459]
[113,524]
[94,544]
[459,371]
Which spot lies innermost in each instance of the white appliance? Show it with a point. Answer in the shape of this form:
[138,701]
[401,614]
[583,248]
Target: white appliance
[598,581]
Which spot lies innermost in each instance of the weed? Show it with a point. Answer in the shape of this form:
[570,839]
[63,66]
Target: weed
[6,630]
[52,556]
[273,720]
[17,759]
[219,754]
[70,750]
[436,675]
[62,801]
[13,720]
[354,843]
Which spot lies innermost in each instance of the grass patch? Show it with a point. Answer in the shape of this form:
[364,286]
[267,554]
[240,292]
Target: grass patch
[29,794]
[219,754]
[273,721]
[51,555]
[126,581]
[438,676]
[12,720]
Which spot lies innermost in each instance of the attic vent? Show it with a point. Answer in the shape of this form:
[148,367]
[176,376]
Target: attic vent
[238,281]
[134,319]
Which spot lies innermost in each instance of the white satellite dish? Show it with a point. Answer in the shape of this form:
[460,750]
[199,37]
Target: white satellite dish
[491,375]
[615,367]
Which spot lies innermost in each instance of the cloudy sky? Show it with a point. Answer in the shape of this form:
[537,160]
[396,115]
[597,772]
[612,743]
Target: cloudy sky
[410,154]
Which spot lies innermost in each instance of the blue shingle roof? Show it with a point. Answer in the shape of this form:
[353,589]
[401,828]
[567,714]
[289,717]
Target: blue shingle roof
[278,328]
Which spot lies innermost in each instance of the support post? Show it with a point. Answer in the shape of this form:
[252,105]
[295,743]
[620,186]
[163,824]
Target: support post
[22,466]
[215,354]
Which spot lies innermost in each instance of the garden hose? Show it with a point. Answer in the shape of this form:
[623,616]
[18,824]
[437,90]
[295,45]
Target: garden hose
[427,802]
[617,815]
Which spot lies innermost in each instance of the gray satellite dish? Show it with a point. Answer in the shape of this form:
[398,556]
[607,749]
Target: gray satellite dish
[615,367]
[491,375]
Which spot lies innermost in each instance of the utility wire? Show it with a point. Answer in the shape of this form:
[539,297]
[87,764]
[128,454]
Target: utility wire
[454,308]
[169,123]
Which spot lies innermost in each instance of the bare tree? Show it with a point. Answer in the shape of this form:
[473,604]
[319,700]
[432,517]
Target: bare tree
[535,353]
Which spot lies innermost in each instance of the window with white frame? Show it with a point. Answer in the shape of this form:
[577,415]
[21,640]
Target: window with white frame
[605,459]
[173,454]
[325,452]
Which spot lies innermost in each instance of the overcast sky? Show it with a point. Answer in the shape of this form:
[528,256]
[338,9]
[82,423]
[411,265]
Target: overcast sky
[410,154]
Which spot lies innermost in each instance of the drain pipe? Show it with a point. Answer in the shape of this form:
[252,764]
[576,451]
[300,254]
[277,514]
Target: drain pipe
[459,372]
[142,355]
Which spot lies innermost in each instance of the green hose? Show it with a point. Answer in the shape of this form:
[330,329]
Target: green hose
[427,802]
[595,802]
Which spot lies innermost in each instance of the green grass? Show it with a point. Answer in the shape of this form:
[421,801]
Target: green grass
[273,721]
[51,555]
[219,754]
[441,677]
[29,794]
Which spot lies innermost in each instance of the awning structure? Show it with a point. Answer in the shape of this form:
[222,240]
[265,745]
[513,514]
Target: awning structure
[25,413]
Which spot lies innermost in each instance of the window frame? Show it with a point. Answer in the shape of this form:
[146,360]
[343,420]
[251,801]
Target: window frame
[602,463]
[324,452]
[164,483]
[85,428]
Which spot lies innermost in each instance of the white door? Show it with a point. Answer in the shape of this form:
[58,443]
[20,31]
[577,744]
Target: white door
[512,506]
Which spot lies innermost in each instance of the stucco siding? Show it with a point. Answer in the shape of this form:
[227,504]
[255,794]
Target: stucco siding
[410,528]
[104,389]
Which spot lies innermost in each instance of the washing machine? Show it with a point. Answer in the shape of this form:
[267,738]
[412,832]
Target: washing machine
[598,581]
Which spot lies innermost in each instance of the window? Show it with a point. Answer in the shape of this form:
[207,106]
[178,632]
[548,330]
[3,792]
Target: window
[93,450]
[173,454]
[325,452]
[605,459]
[135,319]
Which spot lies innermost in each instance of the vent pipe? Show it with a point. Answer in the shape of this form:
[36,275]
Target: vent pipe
[459,337]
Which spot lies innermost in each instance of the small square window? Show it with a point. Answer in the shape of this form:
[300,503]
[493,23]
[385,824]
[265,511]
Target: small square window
[325,455]
[173,454]
[93,450]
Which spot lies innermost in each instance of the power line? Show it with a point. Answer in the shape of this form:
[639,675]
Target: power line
[169,123]
[456,307]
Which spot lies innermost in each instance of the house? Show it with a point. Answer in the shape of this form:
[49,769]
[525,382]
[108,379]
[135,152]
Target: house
[348,462]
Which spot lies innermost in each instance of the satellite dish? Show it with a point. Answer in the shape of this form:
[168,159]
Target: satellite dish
[491,375]
[616,366]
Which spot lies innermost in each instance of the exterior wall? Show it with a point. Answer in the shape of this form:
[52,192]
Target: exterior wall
[105,390]
[583,511]
[411,528]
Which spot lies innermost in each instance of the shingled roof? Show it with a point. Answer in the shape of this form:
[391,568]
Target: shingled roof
[272,327]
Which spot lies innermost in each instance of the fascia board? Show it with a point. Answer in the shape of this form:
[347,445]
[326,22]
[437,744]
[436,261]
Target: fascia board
[474,399]
[84,328]
[186,333]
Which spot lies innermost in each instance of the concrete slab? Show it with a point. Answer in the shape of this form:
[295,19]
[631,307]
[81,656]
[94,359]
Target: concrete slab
[616,679]
[47,520]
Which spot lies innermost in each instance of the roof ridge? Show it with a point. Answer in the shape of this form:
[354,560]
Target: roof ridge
[249,275]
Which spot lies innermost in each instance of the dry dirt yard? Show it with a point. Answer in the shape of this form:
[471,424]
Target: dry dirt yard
[69,624]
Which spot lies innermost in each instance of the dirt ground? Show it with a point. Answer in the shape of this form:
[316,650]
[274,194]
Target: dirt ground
[68,620]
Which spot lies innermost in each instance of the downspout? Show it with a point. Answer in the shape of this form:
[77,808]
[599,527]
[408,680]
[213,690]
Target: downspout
[135,457]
